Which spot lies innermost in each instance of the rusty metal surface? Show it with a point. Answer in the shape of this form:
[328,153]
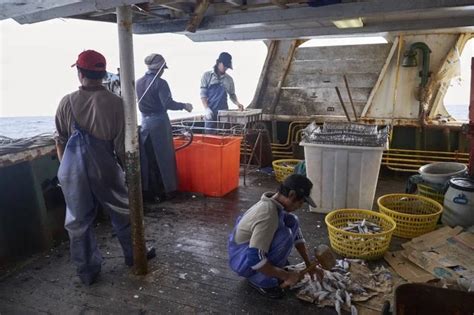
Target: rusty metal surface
[26,155]
[136,212]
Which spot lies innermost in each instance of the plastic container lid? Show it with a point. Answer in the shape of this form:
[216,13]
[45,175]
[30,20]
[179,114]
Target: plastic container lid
[464,184]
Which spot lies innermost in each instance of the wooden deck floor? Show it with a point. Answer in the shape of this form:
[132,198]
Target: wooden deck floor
[189,275]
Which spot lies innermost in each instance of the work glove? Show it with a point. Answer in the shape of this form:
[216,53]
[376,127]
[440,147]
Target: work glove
[188,107]
[208,114]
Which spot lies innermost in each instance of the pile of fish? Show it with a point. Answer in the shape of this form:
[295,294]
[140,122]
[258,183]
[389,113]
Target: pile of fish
[362,227]
[340,288]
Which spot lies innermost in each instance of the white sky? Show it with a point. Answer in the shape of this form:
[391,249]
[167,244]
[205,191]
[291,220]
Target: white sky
[35,62]
[458,93]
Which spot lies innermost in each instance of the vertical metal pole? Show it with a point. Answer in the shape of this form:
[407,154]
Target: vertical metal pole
[471,122]
[132,153]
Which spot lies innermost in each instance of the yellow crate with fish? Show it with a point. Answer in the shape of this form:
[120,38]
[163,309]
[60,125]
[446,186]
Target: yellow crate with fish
[284,168]
[415,215]
[358,233]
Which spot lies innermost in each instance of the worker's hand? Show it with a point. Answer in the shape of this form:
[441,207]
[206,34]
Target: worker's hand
[317,273]
[188,107]
[240,106]
[292,278]
[208,114]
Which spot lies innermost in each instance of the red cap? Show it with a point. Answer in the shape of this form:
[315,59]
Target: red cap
[90,60]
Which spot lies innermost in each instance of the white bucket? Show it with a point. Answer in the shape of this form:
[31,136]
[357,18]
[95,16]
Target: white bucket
[441,172]
[459,203]
[342,176]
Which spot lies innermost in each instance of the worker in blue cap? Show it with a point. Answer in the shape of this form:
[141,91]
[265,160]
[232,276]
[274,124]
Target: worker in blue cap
[215,86]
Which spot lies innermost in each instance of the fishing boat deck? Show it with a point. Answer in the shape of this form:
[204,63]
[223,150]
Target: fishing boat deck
[189,275]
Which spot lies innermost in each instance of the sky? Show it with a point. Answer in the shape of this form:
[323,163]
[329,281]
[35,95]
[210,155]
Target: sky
[458,93]
[36,59]
[35,62]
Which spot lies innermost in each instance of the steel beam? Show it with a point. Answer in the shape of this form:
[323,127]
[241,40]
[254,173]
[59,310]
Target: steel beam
[315,31]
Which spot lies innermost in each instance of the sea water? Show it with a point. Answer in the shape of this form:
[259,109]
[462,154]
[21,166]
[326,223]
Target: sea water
[25,127]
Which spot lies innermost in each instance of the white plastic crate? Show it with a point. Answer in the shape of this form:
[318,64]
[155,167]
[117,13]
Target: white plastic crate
[342,176]
[240,117]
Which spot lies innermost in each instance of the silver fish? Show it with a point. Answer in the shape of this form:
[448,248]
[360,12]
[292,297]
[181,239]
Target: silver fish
[318,286]
[348,299]
[338,296]
[329,276]
[337,306]
[346,265]
[341,285]
[323,295]
[327,287]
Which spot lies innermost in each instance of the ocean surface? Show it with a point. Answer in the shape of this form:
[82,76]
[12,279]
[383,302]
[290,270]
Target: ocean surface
[25,127]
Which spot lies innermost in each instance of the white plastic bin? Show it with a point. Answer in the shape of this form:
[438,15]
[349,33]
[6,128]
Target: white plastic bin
[342,176]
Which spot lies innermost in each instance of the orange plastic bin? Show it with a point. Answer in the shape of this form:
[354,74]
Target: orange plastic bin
[210,165]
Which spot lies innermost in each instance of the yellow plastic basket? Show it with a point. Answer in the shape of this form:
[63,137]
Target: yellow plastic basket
[415,215]
[356,245]
[427,191]
[283,168]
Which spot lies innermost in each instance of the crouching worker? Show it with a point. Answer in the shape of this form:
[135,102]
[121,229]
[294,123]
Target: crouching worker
[264,236]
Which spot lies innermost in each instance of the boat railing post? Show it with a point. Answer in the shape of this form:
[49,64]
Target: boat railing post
[132,153]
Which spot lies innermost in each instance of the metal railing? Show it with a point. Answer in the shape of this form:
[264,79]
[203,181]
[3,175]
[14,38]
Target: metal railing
[411,160]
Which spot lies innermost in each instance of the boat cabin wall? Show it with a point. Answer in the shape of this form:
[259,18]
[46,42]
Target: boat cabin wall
[300,82]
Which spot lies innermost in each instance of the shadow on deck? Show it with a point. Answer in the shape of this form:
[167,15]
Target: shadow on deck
[189,275]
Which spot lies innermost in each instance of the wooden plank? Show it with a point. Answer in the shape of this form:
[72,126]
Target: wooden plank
[26,155]
[350,52]
[283,73]
[312,95]
[198,15]
[339,67]
[308,108]
[382,73]
[324,80]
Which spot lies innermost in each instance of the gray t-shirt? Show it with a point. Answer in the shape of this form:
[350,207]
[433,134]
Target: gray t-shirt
[210,78]
[259,223]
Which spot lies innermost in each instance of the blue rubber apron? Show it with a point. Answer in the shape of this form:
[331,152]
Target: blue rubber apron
[158,128]
[280,249]
[89,173]
[216,101]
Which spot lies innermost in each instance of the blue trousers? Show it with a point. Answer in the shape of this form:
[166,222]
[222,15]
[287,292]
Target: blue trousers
[280,249]
[89,174]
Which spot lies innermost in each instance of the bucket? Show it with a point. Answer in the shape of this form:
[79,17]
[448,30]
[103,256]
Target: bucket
[441,172]
[343,176]
[459,203]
